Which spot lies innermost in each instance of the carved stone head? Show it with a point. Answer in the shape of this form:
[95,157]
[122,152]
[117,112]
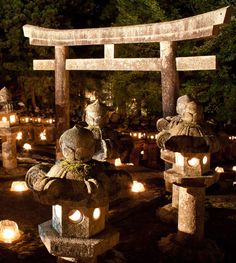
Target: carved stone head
[96,114]
[77,144]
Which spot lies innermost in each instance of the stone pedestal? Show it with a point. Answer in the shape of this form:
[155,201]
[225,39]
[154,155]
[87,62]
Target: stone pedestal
[191,214]
[189,244]
[9,151]
[83,250]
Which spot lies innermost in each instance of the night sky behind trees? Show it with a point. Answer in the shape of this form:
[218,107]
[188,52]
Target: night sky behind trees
[215,89]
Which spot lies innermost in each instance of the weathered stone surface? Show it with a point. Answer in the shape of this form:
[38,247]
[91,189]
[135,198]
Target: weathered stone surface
[134,64]
[9,152]
[75,247]
[199,26]
[62,101]
[87,227]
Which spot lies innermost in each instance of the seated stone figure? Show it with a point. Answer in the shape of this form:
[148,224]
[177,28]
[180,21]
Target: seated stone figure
[78,176]
[187,124]
[110,144]
[5,100]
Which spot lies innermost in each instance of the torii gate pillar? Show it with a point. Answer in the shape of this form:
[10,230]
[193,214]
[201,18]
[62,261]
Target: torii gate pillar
[169,77]
[62,100]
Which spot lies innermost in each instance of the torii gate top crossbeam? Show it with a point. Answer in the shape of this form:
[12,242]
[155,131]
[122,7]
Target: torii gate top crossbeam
[199,26]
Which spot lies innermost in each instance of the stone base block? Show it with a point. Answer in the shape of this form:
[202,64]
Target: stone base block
[76,247]
[174,251]
[168,214]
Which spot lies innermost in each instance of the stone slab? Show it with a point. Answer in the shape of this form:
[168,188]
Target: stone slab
[75,247]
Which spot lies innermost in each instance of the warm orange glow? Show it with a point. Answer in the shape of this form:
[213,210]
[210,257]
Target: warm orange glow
[204,160]
[4,119]
[27,119]
[75,216]
[179,159]
[137,187]
[118,162]
[234,168]
[19,186]
[12,118]
[43,136]
[19,136]
[27,146]
[96,213]
[219,169]
[193,162]
[9,231]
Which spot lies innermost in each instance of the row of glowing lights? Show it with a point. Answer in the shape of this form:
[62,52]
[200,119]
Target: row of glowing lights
[27,146]
[12,119]
[142,135]
[36,120]
[9,231]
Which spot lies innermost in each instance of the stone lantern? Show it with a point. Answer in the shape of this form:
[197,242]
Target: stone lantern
[8,131]
[79,189]
[188,145]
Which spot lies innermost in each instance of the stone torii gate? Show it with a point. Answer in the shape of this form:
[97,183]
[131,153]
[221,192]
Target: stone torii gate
[167,33]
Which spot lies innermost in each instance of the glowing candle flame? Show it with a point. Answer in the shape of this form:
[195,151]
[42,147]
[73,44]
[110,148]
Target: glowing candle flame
[137,187]
[27,146]
[9,231]
[118,162]
[43,136]
[19,186]
[12,118]
[219,169]
[204,160]
[75,216]
[19,136]
[96,213]
[193,162]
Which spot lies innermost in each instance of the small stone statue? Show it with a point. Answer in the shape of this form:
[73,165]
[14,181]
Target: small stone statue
[5,100]
[78,176]
[110,144]
[187,124]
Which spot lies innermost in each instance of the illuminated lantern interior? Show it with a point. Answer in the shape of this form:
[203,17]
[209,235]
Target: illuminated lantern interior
[118,162]
[19,186]
[137,187]
[96,213]
[204,160]
[179,159]
[4,119]
[193,162]
[9,231]
[142,152]
[27,146]
[75,216]
[12,118]
[234,168]
[43,136]
[219,169]
[19,136]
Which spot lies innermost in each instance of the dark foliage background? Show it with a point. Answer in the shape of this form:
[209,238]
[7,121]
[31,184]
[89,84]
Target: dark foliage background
[215,89]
